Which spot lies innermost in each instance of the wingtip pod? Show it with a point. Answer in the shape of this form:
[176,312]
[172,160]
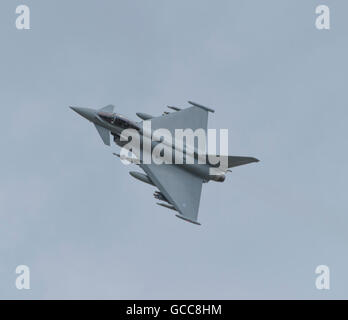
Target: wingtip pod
[201,106]
[166,206]
[187,219]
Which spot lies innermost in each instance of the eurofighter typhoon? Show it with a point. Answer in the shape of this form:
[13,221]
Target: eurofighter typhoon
[164,149]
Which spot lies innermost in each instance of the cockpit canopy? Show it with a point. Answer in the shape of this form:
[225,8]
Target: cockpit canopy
[118,120]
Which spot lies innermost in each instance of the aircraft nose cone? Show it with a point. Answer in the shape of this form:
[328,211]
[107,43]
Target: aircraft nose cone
[80,111]
[85,112]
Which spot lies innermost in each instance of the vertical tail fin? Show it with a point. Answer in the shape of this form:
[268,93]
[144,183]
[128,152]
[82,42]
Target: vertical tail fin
[235,161]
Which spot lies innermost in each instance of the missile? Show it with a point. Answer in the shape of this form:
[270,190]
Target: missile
[131,160]
[169,206]
[144,116]
[174,108]
[142,177]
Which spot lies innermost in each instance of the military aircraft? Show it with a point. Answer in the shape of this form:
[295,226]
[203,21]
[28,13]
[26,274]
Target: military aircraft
[179,185]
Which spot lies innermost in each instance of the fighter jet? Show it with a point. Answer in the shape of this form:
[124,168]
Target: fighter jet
[179,185]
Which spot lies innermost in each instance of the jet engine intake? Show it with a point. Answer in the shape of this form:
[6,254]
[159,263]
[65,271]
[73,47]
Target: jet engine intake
[159,195]
[218,178]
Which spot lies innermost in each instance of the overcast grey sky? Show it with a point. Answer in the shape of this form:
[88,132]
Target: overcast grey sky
[71,212]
